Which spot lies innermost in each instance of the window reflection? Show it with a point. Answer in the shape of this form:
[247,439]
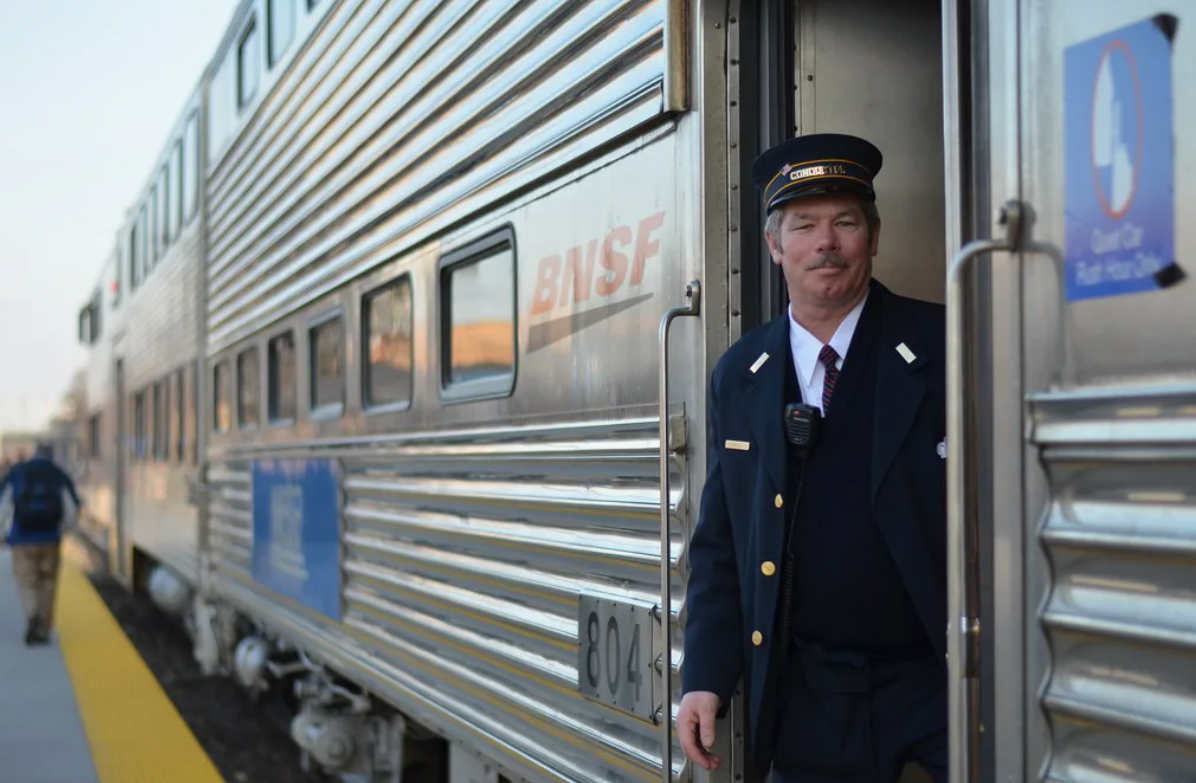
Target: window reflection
[248,410]
[221,397]
[388,339]
[328,364]
[481,313]
[282,378]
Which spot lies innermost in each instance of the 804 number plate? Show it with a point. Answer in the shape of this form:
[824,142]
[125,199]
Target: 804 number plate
[615,654]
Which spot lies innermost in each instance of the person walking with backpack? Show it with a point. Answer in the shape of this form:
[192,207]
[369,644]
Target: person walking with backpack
[35,535]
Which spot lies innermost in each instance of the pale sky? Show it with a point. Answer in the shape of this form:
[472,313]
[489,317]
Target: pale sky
[88,93]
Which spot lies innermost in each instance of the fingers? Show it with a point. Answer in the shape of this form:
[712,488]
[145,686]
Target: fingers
[695,729]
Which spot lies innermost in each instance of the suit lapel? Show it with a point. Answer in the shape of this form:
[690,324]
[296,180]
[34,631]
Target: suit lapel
[765,395]
[900,385]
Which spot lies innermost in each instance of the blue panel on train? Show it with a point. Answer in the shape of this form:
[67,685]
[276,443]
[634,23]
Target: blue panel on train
[1120,181]
[296,531]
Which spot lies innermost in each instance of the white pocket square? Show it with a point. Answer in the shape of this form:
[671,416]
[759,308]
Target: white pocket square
[942,448]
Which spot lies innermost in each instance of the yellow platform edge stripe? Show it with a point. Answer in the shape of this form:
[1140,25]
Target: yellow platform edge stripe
[135,733]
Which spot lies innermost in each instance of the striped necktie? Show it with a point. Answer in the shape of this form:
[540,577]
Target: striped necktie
[828,357]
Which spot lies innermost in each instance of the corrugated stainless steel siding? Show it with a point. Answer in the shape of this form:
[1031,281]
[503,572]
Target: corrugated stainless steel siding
[464,556]
[398,119]
[1120,533]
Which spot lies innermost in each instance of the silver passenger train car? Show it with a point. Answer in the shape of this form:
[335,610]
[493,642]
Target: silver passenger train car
[441,326]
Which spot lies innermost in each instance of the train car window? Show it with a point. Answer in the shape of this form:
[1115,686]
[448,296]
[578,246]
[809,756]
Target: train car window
[195,376]
[155,233]
[312,4]
[221,397]
[249,64]
[176,189]
[191,168]
[180,417]
[328,364]
[144,250]
[281,15]
[387,326]
[478,319]
[155,422]
[134,257]
[248,389]
[168,406]
[282,379]
[139,425]
[164,198]
[93,436]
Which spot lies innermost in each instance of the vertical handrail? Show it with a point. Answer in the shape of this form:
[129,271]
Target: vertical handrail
[693,293]
[963,588]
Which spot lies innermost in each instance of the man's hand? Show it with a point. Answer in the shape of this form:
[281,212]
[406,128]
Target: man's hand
[695,726]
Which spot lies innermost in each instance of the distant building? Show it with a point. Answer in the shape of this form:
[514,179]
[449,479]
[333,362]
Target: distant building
[14,445]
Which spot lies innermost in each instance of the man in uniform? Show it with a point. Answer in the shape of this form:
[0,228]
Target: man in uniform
[848,531]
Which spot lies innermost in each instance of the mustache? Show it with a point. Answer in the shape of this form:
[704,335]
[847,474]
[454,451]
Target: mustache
[830,260]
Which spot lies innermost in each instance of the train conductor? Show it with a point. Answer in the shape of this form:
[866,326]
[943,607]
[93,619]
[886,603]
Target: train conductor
[818,564]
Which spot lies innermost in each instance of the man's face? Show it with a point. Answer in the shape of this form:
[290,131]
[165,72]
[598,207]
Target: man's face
[825,249]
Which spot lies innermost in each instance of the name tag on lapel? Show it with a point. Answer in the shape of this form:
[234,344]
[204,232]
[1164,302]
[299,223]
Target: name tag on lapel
[738,445]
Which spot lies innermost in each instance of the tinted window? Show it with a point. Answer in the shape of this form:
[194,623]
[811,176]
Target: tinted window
[479,325]
[93,437]
[191,168]
[143,230]
[249,64]
[283,382]
[139,425]
[134,257]
[388,322]
[282,27]
[248,409]
[164,207]
[221,398]
[328,364]
[155,231]
[180,417]
[176,190]
[167,418]
[156,396]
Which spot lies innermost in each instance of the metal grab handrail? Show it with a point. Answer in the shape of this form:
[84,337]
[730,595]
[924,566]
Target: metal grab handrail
[693,293]
[963,621]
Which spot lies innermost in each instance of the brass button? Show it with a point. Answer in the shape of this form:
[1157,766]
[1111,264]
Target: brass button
[780,501]
[757,638]
[768,568]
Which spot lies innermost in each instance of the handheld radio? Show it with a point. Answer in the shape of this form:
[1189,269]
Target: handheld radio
[801,425]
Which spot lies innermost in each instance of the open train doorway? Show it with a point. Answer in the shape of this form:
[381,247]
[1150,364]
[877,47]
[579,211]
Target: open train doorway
[870,68]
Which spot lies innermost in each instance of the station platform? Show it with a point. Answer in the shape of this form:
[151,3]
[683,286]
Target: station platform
[85,708]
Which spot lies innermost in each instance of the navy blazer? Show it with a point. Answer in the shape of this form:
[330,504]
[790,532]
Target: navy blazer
[731,595]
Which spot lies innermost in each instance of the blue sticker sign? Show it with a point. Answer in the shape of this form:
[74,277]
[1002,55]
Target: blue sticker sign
[296,531]
[1120,182]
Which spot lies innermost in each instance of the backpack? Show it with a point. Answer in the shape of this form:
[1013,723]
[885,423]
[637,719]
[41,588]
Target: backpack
[38,506]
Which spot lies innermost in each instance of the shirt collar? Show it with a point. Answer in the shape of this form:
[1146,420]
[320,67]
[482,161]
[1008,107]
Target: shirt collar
[806,347]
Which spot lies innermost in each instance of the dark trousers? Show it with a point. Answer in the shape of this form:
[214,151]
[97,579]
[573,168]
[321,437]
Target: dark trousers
[851,718]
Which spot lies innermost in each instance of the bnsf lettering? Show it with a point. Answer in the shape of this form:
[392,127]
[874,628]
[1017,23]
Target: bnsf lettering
[598,269]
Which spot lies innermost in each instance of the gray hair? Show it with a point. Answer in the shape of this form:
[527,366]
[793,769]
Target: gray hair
[772,225]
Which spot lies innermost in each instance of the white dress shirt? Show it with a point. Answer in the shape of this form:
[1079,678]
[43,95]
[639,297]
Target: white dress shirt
[806,347]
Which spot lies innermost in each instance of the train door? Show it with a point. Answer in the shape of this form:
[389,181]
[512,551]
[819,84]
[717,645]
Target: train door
[1086,472]
[119,553]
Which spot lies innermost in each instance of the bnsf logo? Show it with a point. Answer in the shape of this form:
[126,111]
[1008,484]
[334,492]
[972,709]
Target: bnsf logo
[597,268]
